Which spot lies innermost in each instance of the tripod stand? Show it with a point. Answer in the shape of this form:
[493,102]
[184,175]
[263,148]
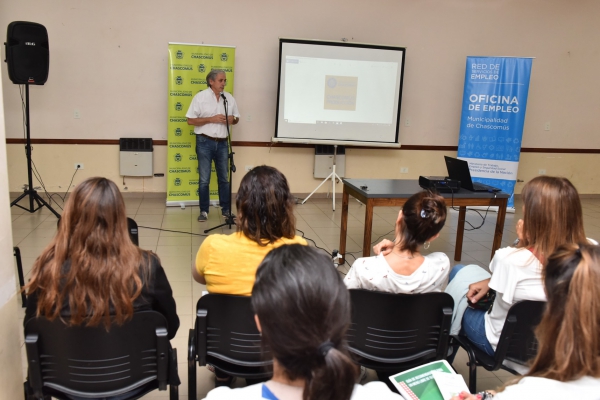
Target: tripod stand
[30,191]
[229,219]
[333,176]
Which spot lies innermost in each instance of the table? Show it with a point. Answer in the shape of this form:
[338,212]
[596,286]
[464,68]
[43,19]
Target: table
[395,192]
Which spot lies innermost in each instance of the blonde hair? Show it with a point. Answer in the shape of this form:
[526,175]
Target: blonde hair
[552,215]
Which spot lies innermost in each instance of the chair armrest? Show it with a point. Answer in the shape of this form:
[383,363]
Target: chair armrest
[503,342]
[34,368]
[162,357]
[465,344]
[444,333]
[201,336]
[191,346]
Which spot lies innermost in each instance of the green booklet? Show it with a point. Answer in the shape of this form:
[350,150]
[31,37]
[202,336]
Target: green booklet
[418,383]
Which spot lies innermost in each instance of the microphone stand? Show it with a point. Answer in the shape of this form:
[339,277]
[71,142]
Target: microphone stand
[229,219]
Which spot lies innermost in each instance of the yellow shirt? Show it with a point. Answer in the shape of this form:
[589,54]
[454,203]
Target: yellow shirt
[229,262]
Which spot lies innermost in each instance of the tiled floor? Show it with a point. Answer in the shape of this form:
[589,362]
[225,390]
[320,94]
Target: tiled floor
[175,235]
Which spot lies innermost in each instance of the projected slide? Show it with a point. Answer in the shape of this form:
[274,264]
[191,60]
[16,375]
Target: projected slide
[339,93]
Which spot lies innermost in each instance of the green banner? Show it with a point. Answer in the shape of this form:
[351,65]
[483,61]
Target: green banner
[188,66]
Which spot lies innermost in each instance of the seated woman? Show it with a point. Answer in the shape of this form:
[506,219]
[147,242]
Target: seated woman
[303,312]
[552,216]
[401,268]
[567,365]
[92,260]
[227,263]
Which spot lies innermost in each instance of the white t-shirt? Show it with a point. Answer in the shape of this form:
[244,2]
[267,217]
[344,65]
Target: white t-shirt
[204,105]
[374,273]
[516,276]
[370,391]
[586,388]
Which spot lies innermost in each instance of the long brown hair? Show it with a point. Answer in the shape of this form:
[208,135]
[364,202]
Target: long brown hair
[304,311]
[91,263]
[569,342]
[265,206]
[552,215]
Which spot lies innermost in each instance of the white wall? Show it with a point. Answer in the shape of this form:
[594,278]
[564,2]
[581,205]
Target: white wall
[11,377]
[109,60]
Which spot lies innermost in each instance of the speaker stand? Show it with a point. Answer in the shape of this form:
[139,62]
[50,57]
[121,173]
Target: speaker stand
[30,192]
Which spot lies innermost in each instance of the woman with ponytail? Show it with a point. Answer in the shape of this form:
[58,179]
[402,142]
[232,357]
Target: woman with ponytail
[567,365]
[302,310]
[394,268]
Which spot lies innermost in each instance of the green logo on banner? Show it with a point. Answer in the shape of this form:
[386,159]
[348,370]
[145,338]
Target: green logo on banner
[178,106]
[193,158]
[198,192]
[192,133]
[223,56]
[178,132]
[201,68]
[179,55]
[179,80]
[178,157]
[177,182]
[193,182]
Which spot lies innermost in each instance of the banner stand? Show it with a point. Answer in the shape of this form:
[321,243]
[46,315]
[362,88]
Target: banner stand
[492,119]
[188,66]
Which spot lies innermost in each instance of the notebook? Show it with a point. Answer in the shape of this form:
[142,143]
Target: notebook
[459,170]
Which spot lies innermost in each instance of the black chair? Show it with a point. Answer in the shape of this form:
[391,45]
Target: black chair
[91,362]
[517,341]
[391,333]
[132,227]
[225,336]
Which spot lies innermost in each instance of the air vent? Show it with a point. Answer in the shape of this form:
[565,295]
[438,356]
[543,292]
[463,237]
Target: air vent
[136,156]
[135,144]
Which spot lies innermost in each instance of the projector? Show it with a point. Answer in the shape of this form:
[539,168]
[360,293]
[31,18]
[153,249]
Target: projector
[439,184]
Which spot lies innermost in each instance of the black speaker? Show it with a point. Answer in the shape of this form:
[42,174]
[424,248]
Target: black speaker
[27,53]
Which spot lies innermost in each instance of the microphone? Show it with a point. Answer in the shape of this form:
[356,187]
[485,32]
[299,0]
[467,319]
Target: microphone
[223,96]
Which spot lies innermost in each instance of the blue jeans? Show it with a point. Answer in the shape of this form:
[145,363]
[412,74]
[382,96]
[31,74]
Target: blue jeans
[208,150]
[454,271]
[473,327]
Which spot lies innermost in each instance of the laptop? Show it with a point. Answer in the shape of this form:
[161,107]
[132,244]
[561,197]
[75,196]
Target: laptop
[459,170]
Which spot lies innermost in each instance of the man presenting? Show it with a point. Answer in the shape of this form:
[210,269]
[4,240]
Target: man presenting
[207,114]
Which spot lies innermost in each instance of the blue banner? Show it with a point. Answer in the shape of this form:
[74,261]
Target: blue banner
[493,115]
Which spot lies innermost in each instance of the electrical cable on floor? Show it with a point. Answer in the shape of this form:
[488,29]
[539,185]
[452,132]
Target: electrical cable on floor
[168,230]
[483,217]
[34,169]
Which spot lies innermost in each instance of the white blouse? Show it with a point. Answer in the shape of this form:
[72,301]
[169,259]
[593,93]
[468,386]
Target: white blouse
[516,276]
[374,273]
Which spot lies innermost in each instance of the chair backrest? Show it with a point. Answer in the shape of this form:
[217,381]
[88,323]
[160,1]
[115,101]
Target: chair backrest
[400,328]
[132,227]
[517,341]
[80,360]
[225,329]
